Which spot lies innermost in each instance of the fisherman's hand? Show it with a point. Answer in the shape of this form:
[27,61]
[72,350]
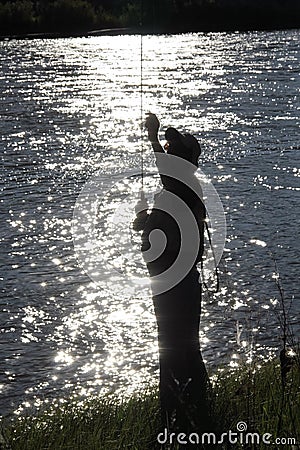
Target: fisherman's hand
[141,213]
[152,124]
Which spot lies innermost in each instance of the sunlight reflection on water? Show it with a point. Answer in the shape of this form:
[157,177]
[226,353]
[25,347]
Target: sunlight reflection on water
[71,107]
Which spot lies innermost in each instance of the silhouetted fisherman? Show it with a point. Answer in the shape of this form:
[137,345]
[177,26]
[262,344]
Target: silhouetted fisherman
[183,377]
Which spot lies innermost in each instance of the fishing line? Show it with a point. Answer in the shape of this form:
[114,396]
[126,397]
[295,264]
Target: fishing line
[141,93]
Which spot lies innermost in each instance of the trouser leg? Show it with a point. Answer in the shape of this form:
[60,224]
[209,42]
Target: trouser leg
[183,377]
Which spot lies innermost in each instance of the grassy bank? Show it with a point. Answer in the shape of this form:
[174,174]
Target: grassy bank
[253,395]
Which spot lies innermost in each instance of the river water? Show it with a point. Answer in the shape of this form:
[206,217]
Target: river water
[71,108]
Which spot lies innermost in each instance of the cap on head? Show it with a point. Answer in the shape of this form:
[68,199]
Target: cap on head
[184,145]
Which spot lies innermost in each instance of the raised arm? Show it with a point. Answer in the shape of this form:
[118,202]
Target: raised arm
[152,125]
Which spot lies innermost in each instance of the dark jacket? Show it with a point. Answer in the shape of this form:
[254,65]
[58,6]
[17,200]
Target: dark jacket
[160,219]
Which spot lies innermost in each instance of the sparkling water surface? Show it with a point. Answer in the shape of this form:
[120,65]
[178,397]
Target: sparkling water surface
[71,108]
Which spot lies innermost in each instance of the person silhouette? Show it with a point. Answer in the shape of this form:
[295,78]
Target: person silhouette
[177,303]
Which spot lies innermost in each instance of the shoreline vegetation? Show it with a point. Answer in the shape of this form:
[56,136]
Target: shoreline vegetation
[65,18]
[257,396]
